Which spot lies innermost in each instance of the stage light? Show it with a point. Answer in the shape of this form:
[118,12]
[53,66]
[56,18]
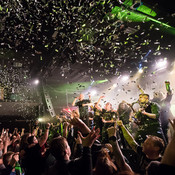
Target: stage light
[125,78]
[161,63]
[140,70]
[114,85]
[40,119]
[92,81]
[136,4]
[93,92]
[36,82]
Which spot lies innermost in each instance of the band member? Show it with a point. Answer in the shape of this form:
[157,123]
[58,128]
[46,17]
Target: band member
[165,105]
[108,116]
[148,119]
[83,106]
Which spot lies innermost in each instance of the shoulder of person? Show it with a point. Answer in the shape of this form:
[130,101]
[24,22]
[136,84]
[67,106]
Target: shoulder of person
[154,104]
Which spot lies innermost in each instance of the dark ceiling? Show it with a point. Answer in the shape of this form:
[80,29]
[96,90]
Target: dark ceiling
[75,41]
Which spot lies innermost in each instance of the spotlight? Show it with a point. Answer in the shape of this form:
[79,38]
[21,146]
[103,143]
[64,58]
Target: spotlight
[125,77]
[92,81]
[93,92]
[161,63]
[40,119]
[140,70]
[36,82]
[114,85]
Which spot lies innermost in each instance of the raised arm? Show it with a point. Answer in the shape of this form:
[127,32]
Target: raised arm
[127,135]
[44,138]
[77,122]
[65,129]
[98,102]
[140,89]
[22,131]
[119,157]
[75,99]
[87,104]
[169,154]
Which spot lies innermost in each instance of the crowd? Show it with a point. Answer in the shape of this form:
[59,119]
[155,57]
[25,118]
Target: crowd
[96,141]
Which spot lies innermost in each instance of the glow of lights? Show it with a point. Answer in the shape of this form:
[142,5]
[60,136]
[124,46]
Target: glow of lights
[44,119]
[161,63]
[114,85]
[125,78]
[36,82]
[40,119]
[92,82]
[93,92]
[140,70]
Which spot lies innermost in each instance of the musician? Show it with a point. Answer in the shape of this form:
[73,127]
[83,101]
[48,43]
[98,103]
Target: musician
[83,106]
[165,104]
[148,119]
[124,113]
[108,116]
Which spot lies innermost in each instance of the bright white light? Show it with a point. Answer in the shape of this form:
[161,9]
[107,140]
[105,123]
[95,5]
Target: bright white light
[140,71]
[125,77]
[36,82]
[93,92]
[40,119]
[161,63]
[114,85]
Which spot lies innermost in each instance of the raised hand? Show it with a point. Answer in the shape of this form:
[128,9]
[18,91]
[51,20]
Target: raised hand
[119,122]
[78,139]
[48,125]
[111,131]
[90,139]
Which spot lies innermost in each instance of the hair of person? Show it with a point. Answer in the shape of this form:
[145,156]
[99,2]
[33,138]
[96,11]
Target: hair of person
[7,158]
[30,139]
[57,147]
[104,164]
[158,142]
[126,108]
[144,95]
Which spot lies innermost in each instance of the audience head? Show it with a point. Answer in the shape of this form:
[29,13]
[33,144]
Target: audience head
[7,158]
[24,142]
[32,140]
[123,107]
[104,164]
[153,145]
[60,149]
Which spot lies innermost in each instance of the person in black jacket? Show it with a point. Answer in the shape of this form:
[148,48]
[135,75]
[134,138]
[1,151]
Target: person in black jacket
[60,149]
